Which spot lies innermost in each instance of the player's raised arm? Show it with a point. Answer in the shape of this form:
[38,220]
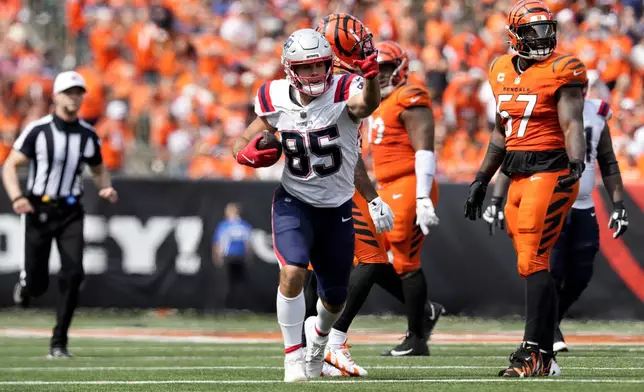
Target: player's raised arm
[570,108]
[362,105]
[612,179]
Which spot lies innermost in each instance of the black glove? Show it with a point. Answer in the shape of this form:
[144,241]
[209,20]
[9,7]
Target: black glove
[576,170]
[618,219]
[494,216]
[475,198]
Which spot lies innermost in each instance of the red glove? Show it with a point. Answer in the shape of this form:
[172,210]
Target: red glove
[251,156]
[369,66]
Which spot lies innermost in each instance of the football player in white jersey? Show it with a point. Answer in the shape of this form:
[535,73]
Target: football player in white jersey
[318,115]
[572,257]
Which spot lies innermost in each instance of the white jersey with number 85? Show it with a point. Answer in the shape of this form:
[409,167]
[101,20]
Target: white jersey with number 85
[320,140]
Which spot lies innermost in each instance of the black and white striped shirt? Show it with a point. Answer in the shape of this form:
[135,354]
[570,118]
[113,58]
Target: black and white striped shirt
[58,152]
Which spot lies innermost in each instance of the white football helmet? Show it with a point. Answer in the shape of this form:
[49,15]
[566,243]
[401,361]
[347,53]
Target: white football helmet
[307,46]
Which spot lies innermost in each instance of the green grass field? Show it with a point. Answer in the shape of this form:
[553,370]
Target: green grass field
[118,364]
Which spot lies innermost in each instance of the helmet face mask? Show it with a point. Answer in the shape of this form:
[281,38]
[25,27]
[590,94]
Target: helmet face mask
[313,85]
[536,41]
[308,47]
[394,64]
[532,29]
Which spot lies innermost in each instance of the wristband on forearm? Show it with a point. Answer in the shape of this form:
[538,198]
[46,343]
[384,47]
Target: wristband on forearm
[425,168]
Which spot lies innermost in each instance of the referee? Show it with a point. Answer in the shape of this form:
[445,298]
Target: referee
[57,147]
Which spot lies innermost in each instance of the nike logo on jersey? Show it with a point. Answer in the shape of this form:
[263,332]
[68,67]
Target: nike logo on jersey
[535,178]
[346,219]
[397,196]
[578,72]
[592,214]
[412,100]
[395,353]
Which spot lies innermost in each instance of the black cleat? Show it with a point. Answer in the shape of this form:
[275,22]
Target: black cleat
[59,353]
[433,312]
[525,362]
[413,345]
[20,296]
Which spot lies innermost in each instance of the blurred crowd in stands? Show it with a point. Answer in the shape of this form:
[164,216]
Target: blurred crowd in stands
[172,82]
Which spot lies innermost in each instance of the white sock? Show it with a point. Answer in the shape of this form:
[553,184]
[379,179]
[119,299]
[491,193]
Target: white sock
[325,319]
[336,338]
[290,316]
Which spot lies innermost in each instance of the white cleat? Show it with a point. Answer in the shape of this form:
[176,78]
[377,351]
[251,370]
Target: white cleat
[315,345]
[330,371]
[560,347]
[555,370]
[341,359]
[294,368]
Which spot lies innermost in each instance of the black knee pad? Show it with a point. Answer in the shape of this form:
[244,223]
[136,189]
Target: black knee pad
[412,274]
[368,271]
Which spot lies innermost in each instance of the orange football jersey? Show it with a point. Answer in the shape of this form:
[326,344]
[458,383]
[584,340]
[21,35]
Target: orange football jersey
[391,151]
[526,102]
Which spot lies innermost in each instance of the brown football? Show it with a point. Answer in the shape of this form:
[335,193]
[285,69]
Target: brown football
[269,141]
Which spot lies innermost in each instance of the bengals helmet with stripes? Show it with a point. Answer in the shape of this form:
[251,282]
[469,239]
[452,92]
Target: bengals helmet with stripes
[532,29]
[349,37]
[389,52]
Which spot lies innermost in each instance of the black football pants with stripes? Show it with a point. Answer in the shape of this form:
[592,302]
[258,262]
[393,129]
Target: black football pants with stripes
[64,225]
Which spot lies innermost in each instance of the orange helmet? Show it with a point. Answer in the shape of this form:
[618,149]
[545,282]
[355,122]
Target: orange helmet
[389,52]
[532,29]
[349,37]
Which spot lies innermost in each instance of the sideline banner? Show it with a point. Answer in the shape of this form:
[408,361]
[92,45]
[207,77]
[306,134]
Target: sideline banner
[153,250]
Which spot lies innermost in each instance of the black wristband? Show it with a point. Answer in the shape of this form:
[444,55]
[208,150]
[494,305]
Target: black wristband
[496,200]
[484,178]
[18,198]
[579,163]
[618,205]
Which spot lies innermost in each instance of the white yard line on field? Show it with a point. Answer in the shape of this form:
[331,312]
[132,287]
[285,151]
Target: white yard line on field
[231,357]
[342,381]
[152,335]
[146,358]
[241,367]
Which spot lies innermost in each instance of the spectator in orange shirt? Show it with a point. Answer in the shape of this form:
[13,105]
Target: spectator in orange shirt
[94,103]
[104,39]
[461,101]
[115,135]
[9,129]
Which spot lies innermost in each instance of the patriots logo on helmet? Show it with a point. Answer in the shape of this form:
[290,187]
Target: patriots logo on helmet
[288,43]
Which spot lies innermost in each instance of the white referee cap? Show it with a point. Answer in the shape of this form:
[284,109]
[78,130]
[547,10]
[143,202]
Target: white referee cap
[68,79]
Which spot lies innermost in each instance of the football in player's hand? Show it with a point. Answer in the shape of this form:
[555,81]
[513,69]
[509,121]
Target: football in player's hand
[268,141]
